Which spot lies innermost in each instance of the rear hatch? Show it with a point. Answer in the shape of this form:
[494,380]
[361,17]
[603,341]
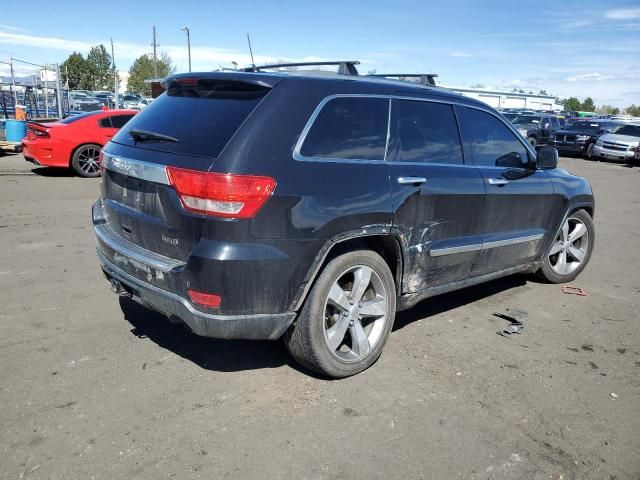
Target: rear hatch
[185,128]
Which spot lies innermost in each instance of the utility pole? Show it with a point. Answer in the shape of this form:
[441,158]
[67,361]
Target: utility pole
[116,97]
[13,85]
[59,90]
[186,29]
[155,54]
[46,93]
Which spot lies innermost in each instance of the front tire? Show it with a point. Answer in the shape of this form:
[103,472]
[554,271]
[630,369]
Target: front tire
[532,141]
[571,250]
[86,160]
[590,152]
[347,317]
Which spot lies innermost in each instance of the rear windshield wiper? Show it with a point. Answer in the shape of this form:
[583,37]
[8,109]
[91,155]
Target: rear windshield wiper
[140,135]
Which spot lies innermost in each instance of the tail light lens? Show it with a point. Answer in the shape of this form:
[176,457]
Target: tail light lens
[34,132]
[207,299]
[221,194]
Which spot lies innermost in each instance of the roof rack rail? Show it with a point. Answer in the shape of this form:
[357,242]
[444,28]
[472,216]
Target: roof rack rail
[425,78]
[346,67]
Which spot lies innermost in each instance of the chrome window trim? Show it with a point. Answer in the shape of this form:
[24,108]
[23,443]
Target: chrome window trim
[298,156]
[485,245]
[305,131]
[151,172]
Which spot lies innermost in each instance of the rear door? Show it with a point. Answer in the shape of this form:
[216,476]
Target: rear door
[519,199]
[438,199]
[199,116]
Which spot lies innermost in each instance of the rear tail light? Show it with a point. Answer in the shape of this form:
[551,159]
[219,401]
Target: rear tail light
[221,194]
[206,299]
[34,132]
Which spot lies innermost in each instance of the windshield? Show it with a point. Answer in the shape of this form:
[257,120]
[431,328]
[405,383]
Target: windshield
[583,126]
[630,130]
[526,120]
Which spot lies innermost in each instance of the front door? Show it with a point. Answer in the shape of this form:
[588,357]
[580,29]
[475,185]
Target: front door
[437,198]
[519,198]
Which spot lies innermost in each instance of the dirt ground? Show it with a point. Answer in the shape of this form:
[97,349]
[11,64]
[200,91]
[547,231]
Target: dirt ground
[92,386]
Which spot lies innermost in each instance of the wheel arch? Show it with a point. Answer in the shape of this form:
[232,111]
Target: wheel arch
[378,239]
[77,147]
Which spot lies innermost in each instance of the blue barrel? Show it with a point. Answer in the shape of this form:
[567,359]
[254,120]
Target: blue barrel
[15,130]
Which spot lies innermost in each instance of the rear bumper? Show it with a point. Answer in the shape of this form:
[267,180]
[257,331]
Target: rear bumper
[253,327]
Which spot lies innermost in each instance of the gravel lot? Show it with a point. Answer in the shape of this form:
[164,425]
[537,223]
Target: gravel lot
[96,387]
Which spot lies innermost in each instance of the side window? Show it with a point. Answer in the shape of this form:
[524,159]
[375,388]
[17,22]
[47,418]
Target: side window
[554,123]
[118,121]
[428,132]
[492,142]
[350,128]
[105,122]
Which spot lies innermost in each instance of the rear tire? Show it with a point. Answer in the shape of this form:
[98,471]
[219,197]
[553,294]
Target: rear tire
[347,316]
[570,251]
[85,161]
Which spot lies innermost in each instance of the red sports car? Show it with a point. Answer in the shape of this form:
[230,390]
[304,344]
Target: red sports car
[74,142]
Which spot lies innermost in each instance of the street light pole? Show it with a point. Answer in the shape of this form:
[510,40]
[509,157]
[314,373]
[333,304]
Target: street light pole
[186,29]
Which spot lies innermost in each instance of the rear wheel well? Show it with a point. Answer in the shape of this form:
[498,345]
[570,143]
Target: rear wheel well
[75,149]
[587,209]
[384,245]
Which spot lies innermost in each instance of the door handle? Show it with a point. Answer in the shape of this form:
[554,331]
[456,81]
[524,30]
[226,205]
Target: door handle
[498,181]
[411,180]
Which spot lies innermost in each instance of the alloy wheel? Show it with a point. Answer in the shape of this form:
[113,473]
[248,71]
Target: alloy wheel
[570,247]
[89,160]
[355,313]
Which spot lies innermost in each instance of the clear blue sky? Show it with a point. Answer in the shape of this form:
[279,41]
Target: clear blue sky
[568,47]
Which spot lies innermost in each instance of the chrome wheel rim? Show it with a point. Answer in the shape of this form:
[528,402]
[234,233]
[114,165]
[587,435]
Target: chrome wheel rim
[355,313]
[89,160]
[570,247]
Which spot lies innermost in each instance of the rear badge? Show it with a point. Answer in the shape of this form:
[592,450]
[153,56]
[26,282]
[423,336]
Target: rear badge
[171,241]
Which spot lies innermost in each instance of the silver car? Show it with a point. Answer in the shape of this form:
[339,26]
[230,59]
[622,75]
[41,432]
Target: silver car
[620,145]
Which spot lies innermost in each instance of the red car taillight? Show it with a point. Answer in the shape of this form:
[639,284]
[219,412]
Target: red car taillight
[221,194]
[33,133]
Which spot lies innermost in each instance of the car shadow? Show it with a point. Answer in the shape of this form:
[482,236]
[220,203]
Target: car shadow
[449,301]
[238,355]
[53,172]
[208,353]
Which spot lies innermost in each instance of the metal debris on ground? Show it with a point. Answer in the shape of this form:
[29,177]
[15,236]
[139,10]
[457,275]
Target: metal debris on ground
[570,290]
[516,319]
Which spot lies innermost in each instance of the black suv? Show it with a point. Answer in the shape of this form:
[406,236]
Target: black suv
[312,207]
[538,129]
[580,136]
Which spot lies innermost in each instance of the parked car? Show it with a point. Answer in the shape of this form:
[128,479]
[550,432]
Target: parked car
[580,136]
[260,206]
[134,102]
[81,101]
[106,98]
[619,145]
[75,142]
[538,129]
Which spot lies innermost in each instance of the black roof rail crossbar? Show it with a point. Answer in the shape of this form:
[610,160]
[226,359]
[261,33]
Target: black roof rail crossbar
[425,78]
[346,67]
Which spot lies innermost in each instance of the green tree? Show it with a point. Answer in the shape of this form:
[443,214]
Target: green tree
[143,69]
[99,68]
[572,103]
[74,72]
[588,105]
[633,111]
[607,110]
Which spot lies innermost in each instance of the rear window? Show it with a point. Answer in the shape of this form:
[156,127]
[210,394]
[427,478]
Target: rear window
[203,114]
[349,128]
[75,118]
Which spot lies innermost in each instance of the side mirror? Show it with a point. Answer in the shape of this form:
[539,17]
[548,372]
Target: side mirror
[510,160]
[547,158]
[545,126]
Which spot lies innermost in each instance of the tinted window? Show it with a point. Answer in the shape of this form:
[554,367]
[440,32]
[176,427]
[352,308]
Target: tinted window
[349,128]
[527,120]
[118,121]
[105,122]
[203,114]
[554,123]
[492,142]
[427,132]
[75,118]
[631,130]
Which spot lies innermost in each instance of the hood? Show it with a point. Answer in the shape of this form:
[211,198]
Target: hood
[624,139]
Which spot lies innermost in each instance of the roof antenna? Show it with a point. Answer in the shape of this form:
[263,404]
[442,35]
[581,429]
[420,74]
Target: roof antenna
[253,64]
